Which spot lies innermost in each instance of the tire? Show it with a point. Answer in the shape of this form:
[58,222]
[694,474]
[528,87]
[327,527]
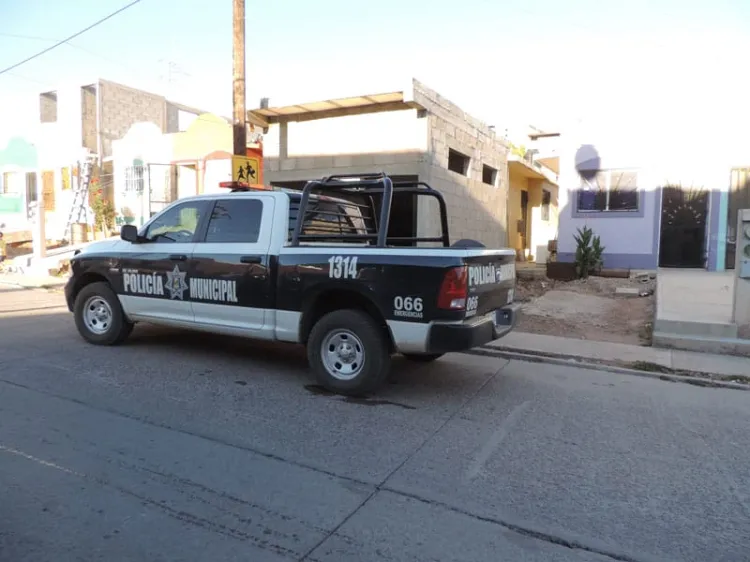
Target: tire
[423,357]
[360,332]
[115,327]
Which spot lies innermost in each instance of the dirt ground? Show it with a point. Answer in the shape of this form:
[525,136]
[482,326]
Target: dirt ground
[587,309]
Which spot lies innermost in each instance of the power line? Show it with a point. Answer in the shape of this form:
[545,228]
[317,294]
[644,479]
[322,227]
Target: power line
[59,43]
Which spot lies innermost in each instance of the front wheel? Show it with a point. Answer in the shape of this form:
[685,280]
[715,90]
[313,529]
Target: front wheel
[99,316]
[348,352]
[423,357]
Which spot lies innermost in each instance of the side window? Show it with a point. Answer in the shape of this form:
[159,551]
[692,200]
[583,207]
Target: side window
[235,220]
[178,224]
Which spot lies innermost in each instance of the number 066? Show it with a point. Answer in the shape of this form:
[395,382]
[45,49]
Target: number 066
[408,304]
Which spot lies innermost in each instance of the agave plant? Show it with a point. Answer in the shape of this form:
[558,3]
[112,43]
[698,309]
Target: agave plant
[589,251]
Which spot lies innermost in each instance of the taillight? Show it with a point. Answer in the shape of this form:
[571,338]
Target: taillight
[454,288]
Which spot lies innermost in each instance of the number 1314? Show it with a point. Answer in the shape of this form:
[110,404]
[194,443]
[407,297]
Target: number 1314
[342,267]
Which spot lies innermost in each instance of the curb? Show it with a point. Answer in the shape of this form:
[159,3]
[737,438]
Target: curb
[45,287]
[570,361]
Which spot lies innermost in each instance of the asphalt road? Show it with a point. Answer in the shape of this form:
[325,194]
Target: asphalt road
[186,447]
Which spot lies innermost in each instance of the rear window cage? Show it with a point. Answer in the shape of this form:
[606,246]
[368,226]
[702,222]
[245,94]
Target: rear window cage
[350,216]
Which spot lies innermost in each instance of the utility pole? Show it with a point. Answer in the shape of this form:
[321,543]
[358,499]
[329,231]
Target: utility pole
[238,50]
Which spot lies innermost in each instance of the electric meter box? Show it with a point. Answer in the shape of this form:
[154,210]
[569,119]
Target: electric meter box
[743,243]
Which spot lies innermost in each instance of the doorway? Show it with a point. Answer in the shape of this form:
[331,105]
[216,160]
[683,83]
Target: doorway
[187,180]
[523,222]
[682,238]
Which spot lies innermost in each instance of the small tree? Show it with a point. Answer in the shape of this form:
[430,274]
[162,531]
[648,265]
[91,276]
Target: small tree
[104,210]
[589,252]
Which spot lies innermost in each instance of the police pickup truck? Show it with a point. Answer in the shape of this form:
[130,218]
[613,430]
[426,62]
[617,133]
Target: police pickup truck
[316,267]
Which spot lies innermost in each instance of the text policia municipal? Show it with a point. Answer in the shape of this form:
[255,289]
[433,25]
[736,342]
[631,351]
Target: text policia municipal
[175,285]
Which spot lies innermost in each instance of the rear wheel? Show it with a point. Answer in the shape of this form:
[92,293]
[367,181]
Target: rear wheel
[99,316]
[423,357]
[348,352]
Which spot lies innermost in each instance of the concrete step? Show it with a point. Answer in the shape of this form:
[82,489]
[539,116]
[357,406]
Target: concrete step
[696,329]
[703,344]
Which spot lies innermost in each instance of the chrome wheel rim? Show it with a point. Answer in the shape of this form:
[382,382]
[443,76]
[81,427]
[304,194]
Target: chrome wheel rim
[97,315]
[343,354]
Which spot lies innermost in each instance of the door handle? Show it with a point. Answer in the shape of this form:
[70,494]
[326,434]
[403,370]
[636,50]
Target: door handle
[178,257]
[251,259]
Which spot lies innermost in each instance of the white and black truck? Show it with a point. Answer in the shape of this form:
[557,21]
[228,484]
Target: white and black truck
[315,267]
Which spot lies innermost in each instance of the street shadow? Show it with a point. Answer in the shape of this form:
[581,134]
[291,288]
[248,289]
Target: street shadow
[27,337]
[443,375]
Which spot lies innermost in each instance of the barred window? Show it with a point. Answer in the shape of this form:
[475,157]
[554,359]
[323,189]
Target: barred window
[610,191]
[134,179]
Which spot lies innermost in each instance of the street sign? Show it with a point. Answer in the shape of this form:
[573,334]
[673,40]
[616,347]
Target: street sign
[245,169]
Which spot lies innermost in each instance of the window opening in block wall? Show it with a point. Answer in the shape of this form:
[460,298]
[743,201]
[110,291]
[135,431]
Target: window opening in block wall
[489,175]
[458,163]
[48,107]
[546,201]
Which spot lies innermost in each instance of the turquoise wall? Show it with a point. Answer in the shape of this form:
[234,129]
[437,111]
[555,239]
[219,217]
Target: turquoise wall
[10,204]
[19,152]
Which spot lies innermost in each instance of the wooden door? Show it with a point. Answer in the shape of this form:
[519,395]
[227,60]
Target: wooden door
[48,190]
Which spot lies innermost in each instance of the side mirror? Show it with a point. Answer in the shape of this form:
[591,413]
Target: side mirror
[129,233]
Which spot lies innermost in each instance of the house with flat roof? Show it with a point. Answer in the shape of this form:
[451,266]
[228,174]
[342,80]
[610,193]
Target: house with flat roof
[413,134]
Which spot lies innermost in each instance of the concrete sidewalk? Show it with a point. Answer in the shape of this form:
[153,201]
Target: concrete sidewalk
[725,365]
[33,281]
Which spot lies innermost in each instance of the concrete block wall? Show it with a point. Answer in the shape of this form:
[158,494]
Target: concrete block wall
[308,167]
[172,118]
[121,107]
[476,210]
[411,143]
[89,118]
[48,107]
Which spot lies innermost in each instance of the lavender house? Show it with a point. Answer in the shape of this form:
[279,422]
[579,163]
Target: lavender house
[654,202]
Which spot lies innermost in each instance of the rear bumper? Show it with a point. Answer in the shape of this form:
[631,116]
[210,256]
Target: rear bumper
[445,338]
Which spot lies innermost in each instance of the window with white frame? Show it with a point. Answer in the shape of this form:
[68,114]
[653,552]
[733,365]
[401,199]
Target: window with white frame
[609,191]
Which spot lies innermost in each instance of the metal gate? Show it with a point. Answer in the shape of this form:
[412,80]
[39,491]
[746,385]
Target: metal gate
[684,214]
[162,186]
[739,198]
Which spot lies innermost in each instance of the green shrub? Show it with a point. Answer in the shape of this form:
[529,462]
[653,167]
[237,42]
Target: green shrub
[589,252]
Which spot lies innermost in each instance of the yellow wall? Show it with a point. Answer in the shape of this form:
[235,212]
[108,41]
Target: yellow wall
[517,184]
[538,232]
[206,134]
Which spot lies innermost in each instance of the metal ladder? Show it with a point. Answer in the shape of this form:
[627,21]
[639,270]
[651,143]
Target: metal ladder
[79,208]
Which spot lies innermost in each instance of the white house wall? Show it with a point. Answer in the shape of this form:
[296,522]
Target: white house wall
[145,143]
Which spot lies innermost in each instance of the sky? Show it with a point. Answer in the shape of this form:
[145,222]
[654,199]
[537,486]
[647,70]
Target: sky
[653,66]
